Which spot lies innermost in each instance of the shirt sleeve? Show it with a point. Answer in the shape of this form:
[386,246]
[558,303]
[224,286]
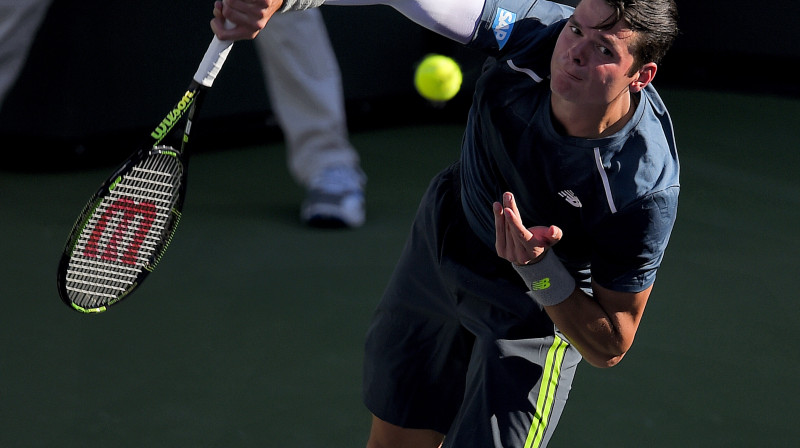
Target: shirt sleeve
[454,19]
[505,24]
[630,245]
[487,24]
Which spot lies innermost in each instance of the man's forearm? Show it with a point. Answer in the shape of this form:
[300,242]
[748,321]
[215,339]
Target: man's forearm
[455,19]
[602,327]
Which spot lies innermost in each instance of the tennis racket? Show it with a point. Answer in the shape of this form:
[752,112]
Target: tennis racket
[127,225]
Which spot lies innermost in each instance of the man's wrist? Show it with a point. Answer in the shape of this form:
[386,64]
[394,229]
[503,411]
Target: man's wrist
[548,280]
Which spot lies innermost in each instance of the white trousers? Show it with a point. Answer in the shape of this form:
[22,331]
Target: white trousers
[305,89]
[19,22]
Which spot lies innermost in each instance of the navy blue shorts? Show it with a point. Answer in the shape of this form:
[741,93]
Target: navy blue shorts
[456,345]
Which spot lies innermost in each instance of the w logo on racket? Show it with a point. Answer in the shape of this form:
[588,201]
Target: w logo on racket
[128,222]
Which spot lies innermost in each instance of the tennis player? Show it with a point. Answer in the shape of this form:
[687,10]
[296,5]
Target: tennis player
[540,246]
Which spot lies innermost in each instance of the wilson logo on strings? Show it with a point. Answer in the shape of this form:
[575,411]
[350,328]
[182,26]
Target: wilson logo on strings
[124,213]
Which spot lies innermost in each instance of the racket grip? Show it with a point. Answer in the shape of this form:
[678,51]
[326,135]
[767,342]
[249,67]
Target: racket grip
[214,58]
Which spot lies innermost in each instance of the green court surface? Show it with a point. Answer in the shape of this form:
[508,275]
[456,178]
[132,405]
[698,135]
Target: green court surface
[250,332]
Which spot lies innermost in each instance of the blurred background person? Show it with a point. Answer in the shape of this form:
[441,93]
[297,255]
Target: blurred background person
[305,88]
[19,22]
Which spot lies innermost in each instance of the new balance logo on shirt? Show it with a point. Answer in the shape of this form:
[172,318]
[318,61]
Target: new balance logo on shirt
[570,197]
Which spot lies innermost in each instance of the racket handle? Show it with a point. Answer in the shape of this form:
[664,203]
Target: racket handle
[213,59]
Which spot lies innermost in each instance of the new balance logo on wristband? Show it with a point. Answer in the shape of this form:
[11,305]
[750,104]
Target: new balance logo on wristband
[540,284]
[549,280]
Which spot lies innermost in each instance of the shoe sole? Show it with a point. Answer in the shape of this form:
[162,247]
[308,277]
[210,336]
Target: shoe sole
[329,217]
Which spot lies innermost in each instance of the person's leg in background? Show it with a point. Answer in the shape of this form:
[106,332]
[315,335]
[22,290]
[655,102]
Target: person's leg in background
[305,89]
[19,23]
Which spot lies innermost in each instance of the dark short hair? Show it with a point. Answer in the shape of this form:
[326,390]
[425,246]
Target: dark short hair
[654,21]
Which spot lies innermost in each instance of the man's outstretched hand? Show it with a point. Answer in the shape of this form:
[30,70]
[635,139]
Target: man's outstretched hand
[515,242]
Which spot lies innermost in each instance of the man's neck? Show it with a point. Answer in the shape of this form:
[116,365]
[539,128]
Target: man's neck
[588,122]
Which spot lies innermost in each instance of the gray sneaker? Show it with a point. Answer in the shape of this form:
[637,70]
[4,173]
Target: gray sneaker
[335,198]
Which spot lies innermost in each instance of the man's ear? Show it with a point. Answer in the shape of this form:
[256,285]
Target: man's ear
[643,77]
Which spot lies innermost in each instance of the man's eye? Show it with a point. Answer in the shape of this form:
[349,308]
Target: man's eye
[604,51]
[575,30]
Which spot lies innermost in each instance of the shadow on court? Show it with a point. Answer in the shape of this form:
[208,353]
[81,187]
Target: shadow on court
[250,332]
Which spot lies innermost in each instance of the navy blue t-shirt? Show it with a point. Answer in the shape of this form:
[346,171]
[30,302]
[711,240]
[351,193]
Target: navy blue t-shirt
[615,198]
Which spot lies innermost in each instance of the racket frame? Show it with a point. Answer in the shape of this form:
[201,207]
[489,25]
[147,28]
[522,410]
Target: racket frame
[169,138]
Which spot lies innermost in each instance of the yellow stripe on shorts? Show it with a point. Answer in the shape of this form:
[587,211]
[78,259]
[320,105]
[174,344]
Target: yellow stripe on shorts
[547,392]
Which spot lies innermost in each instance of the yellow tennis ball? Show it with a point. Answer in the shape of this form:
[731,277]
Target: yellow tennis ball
[438,78]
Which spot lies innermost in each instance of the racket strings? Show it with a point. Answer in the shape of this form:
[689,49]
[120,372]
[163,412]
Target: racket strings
[125,231]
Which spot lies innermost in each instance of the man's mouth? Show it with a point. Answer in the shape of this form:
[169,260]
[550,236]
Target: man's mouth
[570,75]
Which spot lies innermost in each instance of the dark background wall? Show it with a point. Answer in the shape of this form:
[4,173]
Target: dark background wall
[103,68]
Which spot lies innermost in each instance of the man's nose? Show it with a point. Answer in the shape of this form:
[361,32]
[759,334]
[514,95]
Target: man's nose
[577,53]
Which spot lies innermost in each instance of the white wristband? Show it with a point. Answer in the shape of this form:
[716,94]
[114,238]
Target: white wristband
[549,281]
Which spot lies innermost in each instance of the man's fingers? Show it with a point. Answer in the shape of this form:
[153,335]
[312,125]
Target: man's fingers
[510,202]
[548,236]
[515,226]
[513,215]
[514,241]
[556,234]
[499,228]
[506,244]
[249,16]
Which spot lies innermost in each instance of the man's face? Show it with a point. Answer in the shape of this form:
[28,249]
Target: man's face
[590,66]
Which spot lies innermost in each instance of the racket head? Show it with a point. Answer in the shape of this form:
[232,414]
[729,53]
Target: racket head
[124,230]
[127,225]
